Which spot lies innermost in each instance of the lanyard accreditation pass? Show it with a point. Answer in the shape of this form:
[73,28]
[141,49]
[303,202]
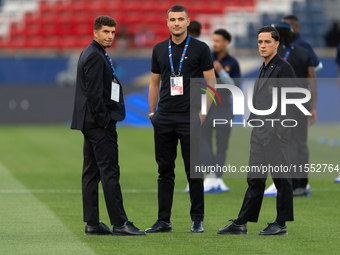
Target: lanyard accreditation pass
[288,52]
[176,81]
[114,85]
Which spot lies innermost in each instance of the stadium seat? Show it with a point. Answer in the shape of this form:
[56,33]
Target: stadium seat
[33,26]
[34,42]
[52,42]
[45,9]
[49,29]
[17,41]
[3,43]
[62,9]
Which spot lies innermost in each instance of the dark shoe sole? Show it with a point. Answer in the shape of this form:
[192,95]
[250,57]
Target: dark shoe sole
[160,231]
[196,232]
[279,234]
[96,234]
[123,234]
[233,233]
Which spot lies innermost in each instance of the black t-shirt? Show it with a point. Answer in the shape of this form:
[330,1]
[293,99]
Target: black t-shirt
[197,59]
[300,60]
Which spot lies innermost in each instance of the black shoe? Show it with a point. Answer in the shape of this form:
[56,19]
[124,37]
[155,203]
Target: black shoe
[274,229]
[160,227]
[128,229]
[101,229]
[197,226]
[233,229]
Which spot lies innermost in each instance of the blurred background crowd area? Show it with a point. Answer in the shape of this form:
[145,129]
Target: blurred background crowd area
[40,43]
[67,24]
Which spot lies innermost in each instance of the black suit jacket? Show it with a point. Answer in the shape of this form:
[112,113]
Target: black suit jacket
[262,95]
[93,106]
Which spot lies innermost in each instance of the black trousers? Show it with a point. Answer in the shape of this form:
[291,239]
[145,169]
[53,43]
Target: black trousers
[168,129]
[222,133]
[267,149]
[101,164]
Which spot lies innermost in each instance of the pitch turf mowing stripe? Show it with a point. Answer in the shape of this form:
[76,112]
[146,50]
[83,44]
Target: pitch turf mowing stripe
[27,226]
[132,191]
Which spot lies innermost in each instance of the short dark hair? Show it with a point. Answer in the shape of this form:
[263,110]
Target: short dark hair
[272,30]
[194,28]
[291,17]
[224,33]
[104,21]
[177,8]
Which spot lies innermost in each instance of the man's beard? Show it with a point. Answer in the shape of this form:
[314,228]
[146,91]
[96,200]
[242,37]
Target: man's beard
[178,35]
[217,51]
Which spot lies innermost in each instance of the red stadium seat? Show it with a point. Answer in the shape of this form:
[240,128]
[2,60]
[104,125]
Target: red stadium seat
[34,42]
[69,41]
[132,6]
[80,10]
[65,26]
[16,42]
[16,29]
[48,26]
[51,42]
[46,9]
[32,28]
[62,10]
[82,27]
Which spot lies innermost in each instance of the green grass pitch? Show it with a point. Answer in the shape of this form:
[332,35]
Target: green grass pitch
[41,206]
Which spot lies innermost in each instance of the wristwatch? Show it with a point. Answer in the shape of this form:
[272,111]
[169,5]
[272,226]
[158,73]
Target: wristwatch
[150,115]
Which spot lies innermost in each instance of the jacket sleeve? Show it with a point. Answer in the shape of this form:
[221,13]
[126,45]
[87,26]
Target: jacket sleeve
[93,70]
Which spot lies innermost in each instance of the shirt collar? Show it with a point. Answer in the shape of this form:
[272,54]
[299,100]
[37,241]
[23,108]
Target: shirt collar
[215,57]
[271,61]
[182,44]
[96,44]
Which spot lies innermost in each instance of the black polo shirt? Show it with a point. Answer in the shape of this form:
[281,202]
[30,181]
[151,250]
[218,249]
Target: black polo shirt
[300,59]
[197,59]
[265,67]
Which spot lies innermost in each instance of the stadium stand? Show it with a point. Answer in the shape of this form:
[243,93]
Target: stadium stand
[62,24]
[67,24]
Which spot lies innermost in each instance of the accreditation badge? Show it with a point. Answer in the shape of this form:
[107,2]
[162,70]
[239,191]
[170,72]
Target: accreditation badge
[115,91]
[176,86]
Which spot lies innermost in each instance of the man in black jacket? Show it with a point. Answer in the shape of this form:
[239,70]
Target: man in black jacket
[99,104]
[269,142]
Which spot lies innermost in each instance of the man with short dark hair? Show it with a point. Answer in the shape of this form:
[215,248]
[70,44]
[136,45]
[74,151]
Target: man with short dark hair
[298,39]
[228,71]
[269,143]
[98,105]
[194,29]
[174,62]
